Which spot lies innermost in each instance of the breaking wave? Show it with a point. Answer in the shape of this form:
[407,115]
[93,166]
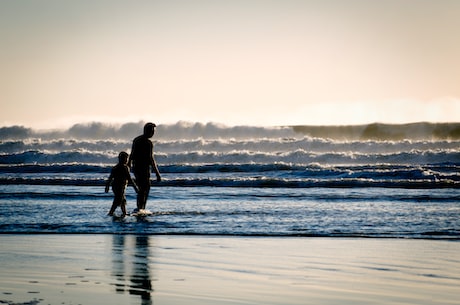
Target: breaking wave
[188,130]
[192,154]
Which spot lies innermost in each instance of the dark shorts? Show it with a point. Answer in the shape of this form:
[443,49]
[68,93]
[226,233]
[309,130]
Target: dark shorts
[119,195]
[142,179]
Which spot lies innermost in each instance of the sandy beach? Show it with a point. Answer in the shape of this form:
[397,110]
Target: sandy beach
[133,269]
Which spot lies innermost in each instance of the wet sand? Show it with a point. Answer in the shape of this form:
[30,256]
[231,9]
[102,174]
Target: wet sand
[130,269]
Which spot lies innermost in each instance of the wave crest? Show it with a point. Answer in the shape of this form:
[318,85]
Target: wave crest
[189,130]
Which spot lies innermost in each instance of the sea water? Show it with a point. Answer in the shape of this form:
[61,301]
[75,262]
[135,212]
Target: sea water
[397,181]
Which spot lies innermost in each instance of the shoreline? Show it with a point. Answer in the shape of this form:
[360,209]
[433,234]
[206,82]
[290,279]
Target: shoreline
[434,237]
[179,269]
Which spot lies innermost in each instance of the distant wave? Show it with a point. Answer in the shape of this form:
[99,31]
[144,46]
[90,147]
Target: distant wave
[279,175]
[180,130]
[385,132]
[188,130]
[252,183]
[298,156]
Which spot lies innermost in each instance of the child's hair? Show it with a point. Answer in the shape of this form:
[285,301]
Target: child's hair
[122,157]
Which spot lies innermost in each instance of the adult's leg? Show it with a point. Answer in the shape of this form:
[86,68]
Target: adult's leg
[112,209]
[143,183]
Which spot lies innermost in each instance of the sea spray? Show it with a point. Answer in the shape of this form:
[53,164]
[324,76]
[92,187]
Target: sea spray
[188,130]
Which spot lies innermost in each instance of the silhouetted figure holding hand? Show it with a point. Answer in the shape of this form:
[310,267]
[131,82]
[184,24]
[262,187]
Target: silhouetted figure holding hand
[141,159]
[119,178]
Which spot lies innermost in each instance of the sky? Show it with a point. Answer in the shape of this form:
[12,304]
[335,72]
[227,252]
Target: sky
[239,62]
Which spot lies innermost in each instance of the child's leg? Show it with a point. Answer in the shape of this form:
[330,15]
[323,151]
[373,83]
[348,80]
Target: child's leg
[117,200]
[123,206]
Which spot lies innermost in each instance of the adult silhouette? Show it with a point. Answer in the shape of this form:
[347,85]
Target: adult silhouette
[142,161]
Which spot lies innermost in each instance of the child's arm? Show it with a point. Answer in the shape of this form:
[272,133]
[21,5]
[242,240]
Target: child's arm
[109,181]
[131,181]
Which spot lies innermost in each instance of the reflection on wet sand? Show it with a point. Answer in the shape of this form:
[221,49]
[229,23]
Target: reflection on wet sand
[130,257]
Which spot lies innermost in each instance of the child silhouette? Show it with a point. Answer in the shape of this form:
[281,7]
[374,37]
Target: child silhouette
[119,178]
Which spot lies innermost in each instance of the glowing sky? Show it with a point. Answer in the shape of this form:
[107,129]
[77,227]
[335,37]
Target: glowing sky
[255,62]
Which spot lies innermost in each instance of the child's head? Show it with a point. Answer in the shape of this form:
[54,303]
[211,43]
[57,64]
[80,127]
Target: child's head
[123,157]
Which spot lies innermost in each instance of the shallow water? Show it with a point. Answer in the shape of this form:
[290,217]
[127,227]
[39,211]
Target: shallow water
[327,212]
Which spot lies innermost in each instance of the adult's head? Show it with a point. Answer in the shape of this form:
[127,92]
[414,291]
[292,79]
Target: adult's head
[149,129]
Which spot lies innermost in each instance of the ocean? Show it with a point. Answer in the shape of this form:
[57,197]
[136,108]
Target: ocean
[373,181]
